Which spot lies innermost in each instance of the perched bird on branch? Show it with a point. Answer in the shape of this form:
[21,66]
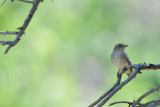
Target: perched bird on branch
[119,57]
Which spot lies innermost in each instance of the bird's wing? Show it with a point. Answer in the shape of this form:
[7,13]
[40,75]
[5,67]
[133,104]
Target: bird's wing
[127,58]
[112,57]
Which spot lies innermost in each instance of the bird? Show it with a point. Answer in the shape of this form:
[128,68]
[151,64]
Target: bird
[120,59]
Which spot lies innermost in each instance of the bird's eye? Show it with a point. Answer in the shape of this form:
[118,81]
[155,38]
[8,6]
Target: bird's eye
[119,45]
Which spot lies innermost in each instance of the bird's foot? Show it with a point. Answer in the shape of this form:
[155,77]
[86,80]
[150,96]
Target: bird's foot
[124,69]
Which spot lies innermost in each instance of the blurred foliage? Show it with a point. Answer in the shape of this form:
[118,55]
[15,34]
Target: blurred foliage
[63,60]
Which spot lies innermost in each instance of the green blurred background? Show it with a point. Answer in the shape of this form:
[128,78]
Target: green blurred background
[63,60]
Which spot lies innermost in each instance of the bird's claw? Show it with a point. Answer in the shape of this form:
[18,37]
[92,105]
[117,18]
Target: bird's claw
[124,69]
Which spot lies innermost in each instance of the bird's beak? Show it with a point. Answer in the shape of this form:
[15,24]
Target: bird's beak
[126,45]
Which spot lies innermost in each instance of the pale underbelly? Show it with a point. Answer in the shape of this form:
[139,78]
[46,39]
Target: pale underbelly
[120,63]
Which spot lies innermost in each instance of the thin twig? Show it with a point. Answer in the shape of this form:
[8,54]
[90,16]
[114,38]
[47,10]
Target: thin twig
[106,93]
[26,1]
[24,26]
[8,32]
[146,94]
[152,103]
[148,104]
[119,75]
[4,42]
[118,102]
[3,2]
[118,88]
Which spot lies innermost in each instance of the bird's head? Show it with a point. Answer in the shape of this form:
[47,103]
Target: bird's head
[120,47]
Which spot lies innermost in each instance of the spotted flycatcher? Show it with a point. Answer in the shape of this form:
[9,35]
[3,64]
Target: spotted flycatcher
[120,59]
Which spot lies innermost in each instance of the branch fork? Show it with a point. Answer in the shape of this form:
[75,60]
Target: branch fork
[22,29]
[118,85]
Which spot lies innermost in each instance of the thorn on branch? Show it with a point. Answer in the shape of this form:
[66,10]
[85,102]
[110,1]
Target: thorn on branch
[20,28]
[139,72]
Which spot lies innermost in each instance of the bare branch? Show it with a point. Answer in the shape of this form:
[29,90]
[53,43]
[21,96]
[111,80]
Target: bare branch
[106,93]
[152,103]
[118,88]
[138,104]
[8,32]
[26,1]
[23,28]
[118,102]
[146,94]
[119,75]
[115,88]
[3,2]
[148,104]
[5,42]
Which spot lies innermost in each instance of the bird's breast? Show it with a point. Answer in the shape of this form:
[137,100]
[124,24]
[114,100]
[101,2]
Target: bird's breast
[119,60]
